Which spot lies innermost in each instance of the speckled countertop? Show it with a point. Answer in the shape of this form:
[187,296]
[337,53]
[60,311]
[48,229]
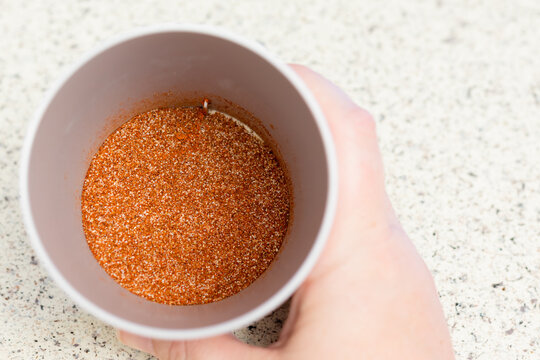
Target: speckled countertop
[454,87]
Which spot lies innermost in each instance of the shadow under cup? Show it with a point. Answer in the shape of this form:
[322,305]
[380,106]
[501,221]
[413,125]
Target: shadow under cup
[81,113]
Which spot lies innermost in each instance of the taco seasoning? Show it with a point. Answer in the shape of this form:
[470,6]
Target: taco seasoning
[183,206]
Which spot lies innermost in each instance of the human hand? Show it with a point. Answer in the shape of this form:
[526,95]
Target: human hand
[370,296]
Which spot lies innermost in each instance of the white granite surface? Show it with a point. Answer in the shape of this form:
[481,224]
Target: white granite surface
[454,87]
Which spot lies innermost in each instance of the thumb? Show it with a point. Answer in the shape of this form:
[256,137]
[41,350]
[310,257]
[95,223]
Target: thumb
[223,347]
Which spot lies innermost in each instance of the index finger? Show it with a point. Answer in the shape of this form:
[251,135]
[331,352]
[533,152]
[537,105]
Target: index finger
[361,174]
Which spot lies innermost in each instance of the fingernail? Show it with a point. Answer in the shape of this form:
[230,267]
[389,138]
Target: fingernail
[135,341]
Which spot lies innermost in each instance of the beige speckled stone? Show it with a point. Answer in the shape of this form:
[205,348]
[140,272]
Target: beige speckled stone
[454,87]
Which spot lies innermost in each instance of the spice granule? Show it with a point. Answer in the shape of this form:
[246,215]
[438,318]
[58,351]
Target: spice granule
[185,207]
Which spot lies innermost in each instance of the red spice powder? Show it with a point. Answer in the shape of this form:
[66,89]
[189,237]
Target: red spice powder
[182,206]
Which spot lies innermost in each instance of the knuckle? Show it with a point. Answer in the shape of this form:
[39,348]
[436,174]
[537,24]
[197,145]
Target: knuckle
[363,121]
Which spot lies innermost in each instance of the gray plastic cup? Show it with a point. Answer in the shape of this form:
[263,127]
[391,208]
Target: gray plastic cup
[82,109]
